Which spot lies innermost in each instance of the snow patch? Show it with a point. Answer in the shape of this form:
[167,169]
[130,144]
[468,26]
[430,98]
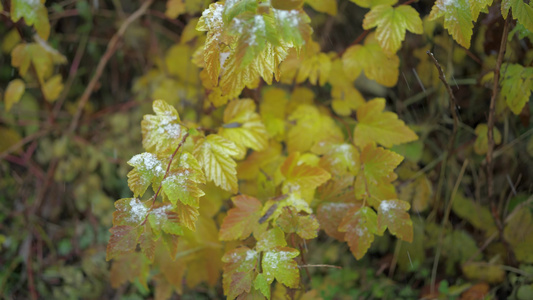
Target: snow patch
[148,161]
[387,205]
[138,210]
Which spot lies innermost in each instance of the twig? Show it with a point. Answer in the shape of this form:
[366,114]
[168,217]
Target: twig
[444,220]
[111,47]
[23,142]
[442,77]
[492,107]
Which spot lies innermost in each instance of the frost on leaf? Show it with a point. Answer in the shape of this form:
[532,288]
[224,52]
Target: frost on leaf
[301,176]
[370,58]
[239,271]
[392,23]
[517,85]
[214,155]
[147,168]
[330,216]
[243,126]
[393,214]
[271,239]
[377,173]
[340,159]
[130,212]
[278,263]
[375,125]
[182,182]
[240,220]
[457,19]
[360,225]
[162,132]
[164,218]
[304,226]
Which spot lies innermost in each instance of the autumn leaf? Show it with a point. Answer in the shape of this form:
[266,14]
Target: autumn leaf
[278,263]
[330,216]
[370,58]
[261,284]
[301,176]
[304,226]
[481,143]
[457,19]
[34,13]
[53,88]
[240,220]
[392,214]
[346,100]
[162,132]
[385,128]
[325,6]
[14,91]
[183,180]
[123,240]
[147,242]
[211,21]
[270,239]
[360,225]
[40,56]
[239,271]
[129,267]
[147,168]
[130,212]
[187,215]
[392,23]
[340,159]
[214,155]
[243,126]
[377,173]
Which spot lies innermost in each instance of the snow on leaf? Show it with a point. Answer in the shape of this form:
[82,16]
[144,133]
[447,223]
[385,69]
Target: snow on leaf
[214,155]
[457,19]
[243,126]
[240,220]
[129,212]
[292,26]
[270,239]
[517,85]
[392,23]
[370,58]
[377,173]
[211,21]
[162,132]
[392,214]
[375,125]
[239,268]
[301,176]
[304,226]
[341,159]
[164,218]
[34,13]
[278,263]
[180,185]
[123,240]
[330,216]
[481,144]
[147,168]
[360,225]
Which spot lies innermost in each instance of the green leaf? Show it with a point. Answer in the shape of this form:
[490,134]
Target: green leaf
[481,144]
[14,91]
[34,13]
[147,168]
[478,6]
[392,23]
[521,12]
[261,284]
[123,240]
[214,155]
[304,226]
[457,19]
[292,26]
[372,3]
[517,85]
[392,214]
[130,212]
[182,182]
[239,269]
[241,220]
[279,263]
[360,225]
[271,239]
[162,132]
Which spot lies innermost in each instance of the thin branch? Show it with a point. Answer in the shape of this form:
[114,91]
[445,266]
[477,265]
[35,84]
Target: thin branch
[23,142]
[492,107]
[453,101]
[111,48]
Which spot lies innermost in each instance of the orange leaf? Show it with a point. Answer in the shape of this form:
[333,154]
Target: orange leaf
[241,219]
[392,214]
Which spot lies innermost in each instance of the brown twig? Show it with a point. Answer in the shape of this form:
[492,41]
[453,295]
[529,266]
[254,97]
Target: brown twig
[111,47]
[453,102]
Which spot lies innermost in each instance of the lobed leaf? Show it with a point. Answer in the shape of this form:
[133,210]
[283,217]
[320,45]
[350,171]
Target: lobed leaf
[392,214]
[360,225]
[123,240]
[241,220]
[147,168]
[301,176]
[279,263]
[304,226]
[239,269]
[162,132]
[457,19]
[517,85]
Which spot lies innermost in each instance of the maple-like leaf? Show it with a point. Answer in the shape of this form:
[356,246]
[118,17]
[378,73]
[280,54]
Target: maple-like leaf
[301,176]
[481,144]
[292,26]
[164,218]
[457,19]
[304,226]
[316,68]
[521,12]
[346,99]
[147,242]
[370,58]
[330,216]
[129,267]
[214,155]
[261,284]
[147,168]
[340,159]
[392,23]
[187,215]
[239,271]
[270,239]
[243,126]
[278,263]
[40,56]
[274,208]
[123,240]
[182,182]
[377,173]
[14,91]
[240,220]
[162,132]
[372,3]
[478,6]
[392,214]
[360,225]
[211,21]
[130,212]
[385,128]
[517,85]
[34,13]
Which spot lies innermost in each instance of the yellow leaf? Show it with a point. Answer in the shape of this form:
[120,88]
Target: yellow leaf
[273,110]
[327,6]
[213,153]
[190,32]
[384,128]
[40,55]
[346,100]
[53,88]
[376,174]
[482,143]
[418,193]
[162,132]
[250,168]
[370,58]
[392,23]
[10,40]
[301,176]
[287,4]
[9,138]
[174,8]
[34,13]
[372,3]
[300,95]
[457,19]
[484,272]
[178,62]
[211,21]
[14,92]
[315,68]
[243,126]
